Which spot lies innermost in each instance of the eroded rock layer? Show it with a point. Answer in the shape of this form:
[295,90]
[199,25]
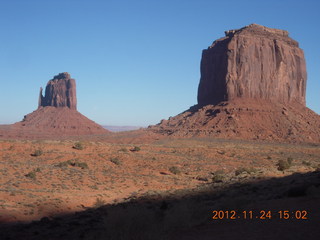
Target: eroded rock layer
[52,122]
[252,86]
[57,114]
[253,62]
[59,92]
[245,119]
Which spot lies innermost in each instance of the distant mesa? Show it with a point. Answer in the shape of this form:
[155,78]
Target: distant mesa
[57,113]
[252,86]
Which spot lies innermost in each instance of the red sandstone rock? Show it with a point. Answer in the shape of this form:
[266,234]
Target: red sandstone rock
[60,92]
[57,121]
[253,62]
[245,119]
[252,86]
[56,115]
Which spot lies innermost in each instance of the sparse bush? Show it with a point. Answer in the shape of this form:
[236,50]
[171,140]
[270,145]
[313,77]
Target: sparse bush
[203,179]
[174,170]
[269,157]
[123,150]
[283,165]
[63,164]
[306,163]
[135,149]
[78,146]
[82,165]
[115,161]
[218,172]
[37,153]
[239,171]
[95,187]
[31,175]
[73,163]
[38,170]
[290,159]
[243,170]
[99,203]
[218,176]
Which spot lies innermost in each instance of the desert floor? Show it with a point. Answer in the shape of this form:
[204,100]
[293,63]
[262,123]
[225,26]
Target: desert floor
[166,189]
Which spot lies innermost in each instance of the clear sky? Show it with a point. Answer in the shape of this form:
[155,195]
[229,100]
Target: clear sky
[135,62]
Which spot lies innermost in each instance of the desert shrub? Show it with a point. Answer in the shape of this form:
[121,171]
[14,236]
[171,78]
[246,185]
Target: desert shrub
[218,176]
[306,163]
[283,165]
[269,157]
[115,161]
[31,175]
[82,165]
[73,163]
[123,150]
[203,179]
[78,146]
[37,152]
[63,164]
[135,149]
[245,170]
[290,160]
[99,203]
[37,170]
[239,171]
[174,170]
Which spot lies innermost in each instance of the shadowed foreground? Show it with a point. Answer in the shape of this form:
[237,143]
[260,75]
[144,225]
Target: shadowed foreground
[187,214]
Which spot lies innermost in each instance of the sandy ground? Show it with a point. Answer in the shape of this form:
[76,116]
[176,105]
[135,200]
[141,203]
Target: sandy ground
[47,178]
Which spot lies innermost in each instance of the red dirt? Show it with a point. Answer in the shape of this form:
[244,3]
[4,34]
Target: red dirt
[51,122]
[245,119]
[67,180]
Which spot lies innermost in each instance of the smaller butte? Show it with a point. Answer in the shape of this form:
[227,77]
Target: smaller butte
[57,114]
[60,92]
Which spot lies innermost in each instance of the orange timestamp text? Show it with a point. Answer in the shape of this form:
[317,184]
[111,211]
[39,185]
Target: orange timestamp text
[260,214]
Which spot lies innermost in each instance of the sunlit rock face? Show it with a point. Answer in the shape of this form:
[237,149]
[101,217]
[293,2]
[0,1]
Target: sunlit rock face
[59,92]
[253,62]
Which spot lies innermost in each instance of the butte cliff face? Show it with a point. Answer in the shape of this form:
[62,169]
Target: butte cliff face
[57,114]
[59,92]
[252,86]
[253,62]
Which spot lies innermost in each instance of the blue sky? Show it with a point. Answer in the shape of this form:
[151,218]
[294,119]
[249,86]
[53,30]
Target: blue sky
[135,62]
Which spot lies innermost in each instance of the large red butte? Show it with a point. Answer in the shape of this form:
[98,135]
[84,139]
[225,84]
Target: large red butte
[253,62]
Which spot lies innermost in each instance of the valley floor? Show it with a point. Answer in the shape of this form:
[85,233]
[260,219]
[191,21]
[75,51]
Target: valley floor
[161,190]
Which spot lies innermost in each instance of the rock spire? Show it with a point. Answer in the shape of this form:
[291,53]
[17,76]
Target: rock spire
[60,92]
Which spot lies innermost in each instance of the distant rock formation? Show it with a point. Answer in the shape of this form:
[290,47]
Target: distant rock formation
[57,114]
[252,86]
[60,92]
[253,62]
